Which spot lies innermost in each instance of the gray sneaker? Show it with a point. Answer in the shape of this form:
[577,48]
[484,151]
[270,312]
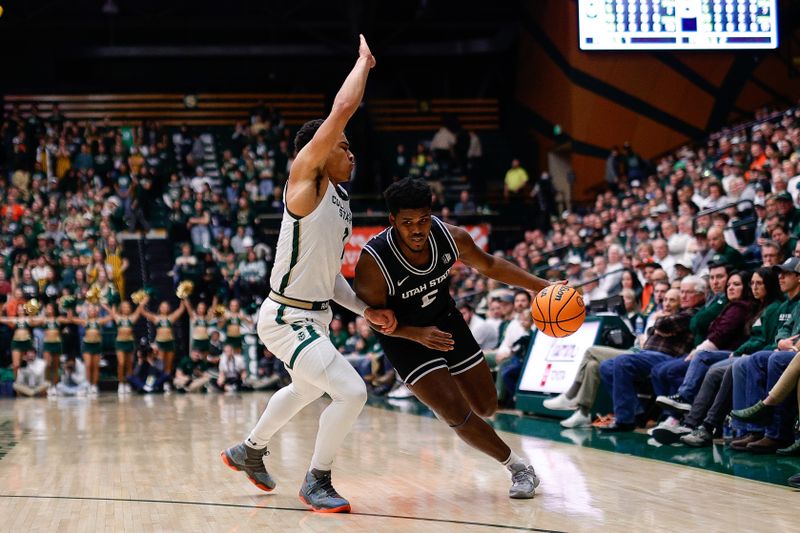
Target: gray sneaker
[698,438]
[318,493]
[523,482]
[243,458]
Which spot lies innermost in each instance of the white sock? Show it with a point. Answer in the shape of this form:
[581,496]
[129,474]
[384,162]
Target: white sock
[514,459]
[255,444]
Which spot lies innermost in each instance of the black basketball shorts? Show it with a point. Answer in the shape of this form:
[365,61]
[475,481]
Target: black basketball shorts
[413,361]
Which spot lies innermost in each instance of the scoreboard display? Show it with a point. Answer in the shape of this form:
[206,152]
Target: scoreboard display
[677,24]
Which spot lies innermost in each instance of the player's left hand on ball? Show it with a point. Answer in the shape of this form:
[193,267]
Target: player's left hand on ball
[383,318]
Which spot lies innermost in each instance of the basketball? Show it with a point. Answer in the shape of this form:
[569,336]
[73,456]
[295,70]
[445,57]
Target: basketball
[558,311]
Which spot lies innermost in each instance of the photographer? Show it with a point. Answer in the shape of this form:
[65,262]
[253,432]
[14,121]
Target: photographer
[73,381]
[147,377]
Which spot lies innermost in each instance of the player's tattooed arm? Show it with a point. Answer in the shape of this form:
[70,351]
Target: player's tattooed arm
[370,286]
[491,266]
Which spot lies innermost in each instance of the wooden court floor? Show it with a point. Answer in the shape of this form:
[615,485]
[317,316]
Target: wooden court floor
[151,464]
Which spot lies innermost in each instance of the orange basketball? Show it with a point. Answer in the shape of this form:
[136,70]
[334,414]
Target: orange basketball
[558,311]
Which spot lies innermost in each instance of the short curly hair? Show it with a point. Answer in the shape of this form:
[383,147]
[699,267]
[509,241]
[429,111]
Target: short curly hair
[306,133]
[407,193]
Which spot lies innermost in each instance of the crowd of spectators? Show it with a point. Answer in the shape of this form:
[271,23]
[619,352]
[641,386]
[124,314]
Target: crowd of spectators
[697,233]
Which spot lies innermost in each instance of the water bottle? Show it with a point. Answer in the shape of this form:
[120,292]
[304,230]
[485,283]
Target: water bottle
[727,431]
[639,325]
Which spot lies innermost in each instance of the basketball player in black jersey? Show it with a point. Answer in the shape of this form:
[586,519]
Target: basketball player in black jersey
[405,269]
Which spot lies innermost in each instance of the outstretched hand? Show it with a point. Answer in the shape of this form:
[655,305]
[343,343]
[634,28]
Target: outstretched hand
[364,51]
[384,319]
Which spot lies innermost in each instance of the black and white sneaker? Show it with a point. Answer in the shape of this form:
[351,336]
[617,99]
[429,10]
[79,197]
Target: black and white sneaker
[675,402]
[670,431]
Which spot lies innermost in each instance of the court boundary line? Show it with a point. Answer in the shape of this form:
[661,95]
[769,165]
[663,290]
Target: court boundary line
[276,508]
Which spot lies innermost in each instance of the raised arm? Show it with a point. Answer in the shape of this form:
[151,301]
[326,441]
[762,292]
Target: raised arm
[491,266]
[189,308]
[302,193]
[176,314]
[109,310]
[137,313]
[147,314]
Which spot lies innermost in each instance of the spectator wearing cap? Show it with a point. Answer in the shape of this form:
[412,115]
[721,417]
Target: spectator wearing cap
[669,338]
[754,375]
[574,270]
[683,268]
[790,215]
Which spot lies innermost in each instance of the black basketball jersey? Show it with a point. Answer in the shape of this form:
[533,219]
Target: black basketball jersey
[418,296]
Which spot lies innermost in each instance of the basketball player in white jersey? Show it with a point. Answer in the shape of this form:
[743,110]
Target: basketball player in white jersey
[293,320]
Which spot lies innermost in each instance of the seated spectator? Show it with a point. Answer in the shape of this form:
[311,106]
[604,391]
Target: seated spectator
[670,338]
[232,370]
[337,334]
[725,333]
[509,368]
[582,394]
[270,373]
[763,411]
[73,380]
[365,347]
[192,373]
[713,401]
[30,380]
[465,205]
[147,377]
[485,335]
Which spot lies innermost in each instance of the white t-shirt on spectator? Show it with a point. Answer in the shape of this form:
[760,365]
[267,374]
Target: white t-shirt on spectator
[512,334]
[231,366]
[611,282]
[594,295]
[677,245]
[485,334]
[793,187]
[32,374]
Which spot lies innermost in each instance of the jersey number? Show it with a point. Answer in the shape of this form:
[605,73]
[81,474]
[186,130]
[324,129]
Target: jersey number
[344,240]
[429,298]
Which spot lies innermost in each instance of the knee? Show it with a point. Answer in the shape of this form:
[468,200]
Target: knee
[354,393]
[486,407]
[607,368]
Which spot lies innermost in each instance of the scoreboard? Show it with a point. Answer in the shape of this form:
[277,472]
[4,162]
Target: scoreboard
[677,24]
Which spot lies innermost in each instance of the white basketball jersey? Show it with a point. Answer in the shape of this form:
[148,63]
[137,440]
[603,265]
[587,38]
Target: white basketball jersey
[311,248]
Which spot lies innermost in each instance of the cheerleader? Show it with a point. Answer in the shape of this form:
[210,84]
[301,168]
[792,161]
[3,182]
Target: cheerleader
[53,345]
[125,344]
[165,339]
[199,319]
[234,320]
[22,341]
[92,344]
